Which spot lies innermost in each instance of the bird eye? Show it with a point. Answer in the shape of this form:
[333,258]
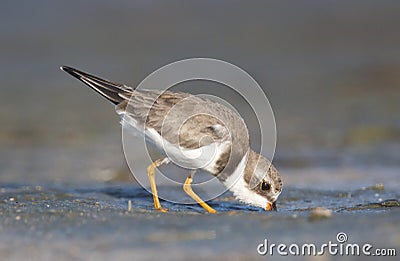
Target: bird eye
[265,185]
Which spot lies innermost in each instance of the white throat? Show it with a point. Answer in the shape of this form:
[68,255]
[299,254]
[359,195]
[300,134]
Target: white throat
[240,188]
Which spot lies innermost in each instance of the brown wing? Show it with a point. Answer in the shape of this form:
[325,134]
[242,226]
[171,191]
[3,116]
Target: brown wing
[179,117]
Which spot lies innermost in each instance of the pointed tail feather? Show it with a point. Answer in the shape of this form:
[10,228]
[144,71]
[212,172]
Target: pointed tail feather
[105,88]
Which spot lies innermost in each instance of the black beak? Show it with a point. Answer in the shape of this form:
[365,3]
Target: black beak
[274,206]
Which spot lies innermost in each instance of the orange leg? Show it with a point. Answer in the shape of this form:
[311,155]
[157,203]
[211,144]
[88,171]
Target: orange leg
[188,189]
[151,170]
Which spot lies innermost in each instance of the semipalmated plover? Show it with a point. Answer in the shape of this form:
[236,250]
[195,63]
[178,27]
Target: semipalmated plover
[196,133]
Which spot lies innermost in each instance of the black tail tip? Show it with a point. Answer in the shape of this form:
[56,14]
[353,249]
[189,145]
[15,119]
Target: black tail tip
[72,71]
[66,68]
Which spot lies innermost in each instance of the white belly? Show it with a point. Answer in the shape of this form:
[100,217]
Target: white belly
[204,157]
[201,158]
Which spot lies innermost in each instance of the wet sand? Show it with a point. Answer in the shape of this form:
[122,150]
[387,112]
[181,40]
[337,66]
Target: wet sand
[93,223]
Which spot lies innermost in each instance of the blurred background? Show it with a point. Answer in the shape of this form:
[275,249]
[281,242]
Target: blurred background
[330,70]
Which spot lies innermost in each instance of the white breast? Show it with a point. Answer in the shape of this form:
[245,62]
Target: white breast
[240,188]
